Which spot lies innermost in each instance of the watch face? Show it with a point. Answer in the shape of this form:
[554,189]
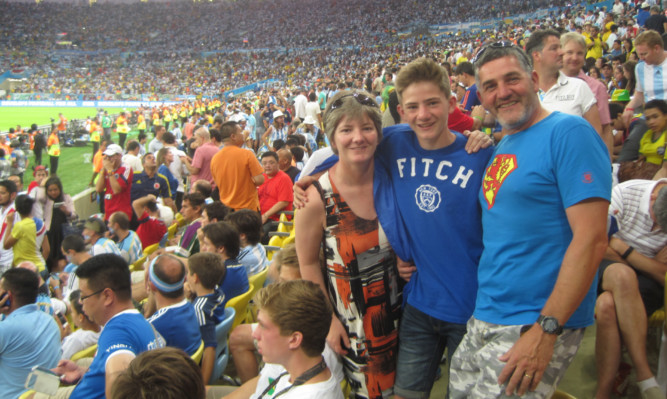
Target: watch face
[550,325]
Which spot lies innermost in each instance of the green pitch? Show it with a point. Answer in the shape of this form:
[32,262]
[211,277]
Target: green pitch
[74,168]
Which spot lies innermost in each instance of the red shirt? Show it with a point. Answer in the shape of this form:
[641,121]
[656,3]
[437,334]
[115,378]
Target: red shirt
[273,190]
[121,201]
[458,121]
[150,230]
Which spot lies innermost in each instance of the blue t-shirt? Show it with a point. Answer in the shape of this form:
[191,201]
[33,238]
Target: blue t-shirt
[178,326]
[426,201]
[173,182]
[235,282]
[127,331]
[210,311]
[534,176]
[470,99]
[142,185]
[28,337]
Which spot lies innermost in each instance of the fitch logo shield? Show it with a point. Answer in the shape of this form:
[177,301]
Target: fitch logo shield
[427,198]
[501,167]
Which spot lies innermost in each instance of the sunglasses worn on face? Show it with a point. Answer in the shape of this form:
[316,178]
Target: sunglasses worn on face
[361,99]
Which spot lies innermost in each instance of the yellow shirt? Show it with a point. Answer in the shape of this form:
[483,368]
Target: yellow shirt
[654,151]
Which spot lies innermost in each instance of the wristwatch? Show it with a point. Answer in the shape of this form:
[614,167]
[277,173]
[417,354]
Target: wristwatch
[549,325]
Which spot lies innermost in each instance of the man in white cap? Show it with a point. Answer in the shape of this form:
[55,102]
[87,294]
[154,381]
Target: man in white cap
[115,182]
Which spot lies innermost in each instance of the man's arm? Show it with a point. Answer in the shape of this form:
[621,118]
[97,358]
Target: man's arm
[193,170]
[99,186]
[258,180]
[115,365]
[636,101]
[653,267]
[593,117]
[277,207]
[139,204]
[531,354]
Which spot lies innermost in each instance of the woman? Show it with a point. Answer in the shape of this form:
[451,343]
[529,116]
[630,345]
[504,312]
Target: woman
[619,80]
[629,74]
[277,130]
[58,211]
[164,158]
[361,276]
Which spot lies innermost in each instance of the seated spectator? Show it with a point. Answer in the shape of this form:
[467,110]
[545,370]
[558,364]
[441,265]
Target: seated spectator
[151,182]
[23,237]
[151,229]
[285,163]
[204,188]
[275,194]
[193,204]
[214,212]
[159,374]
[128,241]
[206,271]
[222,239]
[28,336]
[87,332]
[106,298]
[294,319]
[93,234]
[175,317]
[74,249]
[632,275]
[45,303]
[249,225]
[241,343]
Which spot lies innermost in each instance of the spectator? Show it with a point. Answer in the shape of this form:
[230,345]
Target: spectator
[206,270]
[150,182]
[200,167]
[94,235]
[236,171]
[177,168]
[53,149]
[127,241]
[222,239]
[151,228]
[165,157]
[275,194]
[115,183]
[175,317]
[285,164]
[87,333]
[28,336]
[131,157]
[58,211]
[156,144]
[23,237]
[249,225]
[192,209]
[74,249]
[651,47]
[7,196]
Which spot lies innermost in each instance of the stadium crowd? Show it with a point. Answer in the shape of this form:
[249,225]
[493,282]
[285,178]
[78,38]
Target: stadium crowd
[382,151]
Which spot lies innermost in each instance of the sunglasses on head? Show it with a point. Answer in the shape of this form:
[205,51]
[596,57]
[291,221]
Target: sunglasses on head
[361,99]
[500,44]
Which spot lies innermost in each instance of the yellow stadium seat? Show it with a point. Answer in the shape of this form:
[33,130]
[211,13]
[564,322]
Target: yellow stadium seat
[26,394]
[151,248]
[180,220]
[171,231]
[276,241]
[256,282]
[239,303]
[199,353]
[270,250]
[88,352]
[562,395]
[139,264]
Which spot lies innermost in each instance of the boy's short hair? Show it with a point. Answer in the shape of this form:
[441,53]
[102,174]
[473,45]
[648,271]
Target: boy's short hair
[247,222]
[223,234]
[216,210]
[209,267]
[298,306]
[195,199]
[422,70]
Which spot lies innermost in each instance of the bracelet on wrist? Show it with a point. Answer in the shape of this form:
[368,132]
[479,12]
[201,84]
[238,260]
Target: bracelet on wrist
[479,118]
[627,253]
[630,109]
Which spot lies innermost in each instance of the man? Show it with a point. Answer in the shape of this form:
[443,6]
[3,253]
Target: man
[656,21]
[62,125]
[7,196]
[632,275]
[151,182]
[53,149]
[97,161]
[200,167]
[175,317]
[150,228]
[236,171]
[531,286]
[127,241]
[28,336]
[74,249]
[177,168]
[574,48]
[106,297]
[294,318]
[156,144]
[132,157]
[465,74]
[106,125]
[557,91]
[115,182]
[285,163]
[275,194]
[650,72]
[94,236]
[618,8]
[122,128]
[300,102]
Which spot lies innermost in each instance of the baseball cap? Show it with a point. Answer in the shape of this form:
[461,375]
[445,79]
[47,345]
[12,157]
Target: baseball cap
[113,149]
[620,95]
[277,114]
[95,224]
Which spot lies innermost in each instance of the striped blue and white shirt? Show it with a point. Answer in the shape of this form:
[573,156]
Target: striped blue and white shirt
[652,80]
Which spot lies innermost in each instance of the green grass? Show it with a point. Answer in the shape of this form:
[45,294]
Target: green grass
[26,116]
[73,172]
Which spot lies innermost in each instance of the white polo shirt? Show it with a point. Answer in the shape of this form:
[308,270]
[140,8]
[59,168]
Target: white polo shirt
[569,95]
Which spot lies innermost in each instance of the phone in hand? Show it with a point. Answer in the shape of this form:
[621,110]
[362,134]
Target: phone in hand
[43,380]
[58,204]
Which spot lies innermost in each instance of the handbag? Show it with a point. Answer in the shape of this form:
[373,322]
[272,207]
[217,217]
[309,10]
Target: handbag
[638,169]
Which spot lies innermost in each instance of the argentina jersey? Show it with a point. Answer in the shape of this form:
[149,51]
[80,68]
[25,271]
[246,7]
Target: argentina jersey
[652,80]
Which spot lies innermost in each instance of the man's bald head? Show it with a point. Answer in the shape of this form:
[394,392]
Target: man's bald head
[284,159]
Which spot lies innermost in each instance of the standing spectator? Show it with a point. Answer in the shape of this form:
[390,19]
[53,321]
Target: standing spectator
[300,102]
[155,144]
[58,211]
[200,167]
[28,336]
[236,171]
[7,196]
[122,128]
[132,157]
[151,182]
[5,164]
[106,125]
[656,21]
[466,75]
[176,167]
[19,160]
[164,159]
[650,48]
[23,234]
[115,182]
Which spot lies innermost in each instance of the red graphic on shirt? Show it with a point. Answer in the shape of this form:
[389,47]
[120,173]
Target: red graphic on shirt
[587,177]
[501,167]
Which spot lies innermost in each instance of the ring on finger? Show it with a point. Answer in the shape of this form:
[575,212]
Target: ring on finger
[528,375]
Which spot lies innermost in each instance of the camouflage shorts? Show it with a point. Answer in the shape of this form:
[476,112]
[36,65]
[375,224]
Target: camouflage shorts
[475,366]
